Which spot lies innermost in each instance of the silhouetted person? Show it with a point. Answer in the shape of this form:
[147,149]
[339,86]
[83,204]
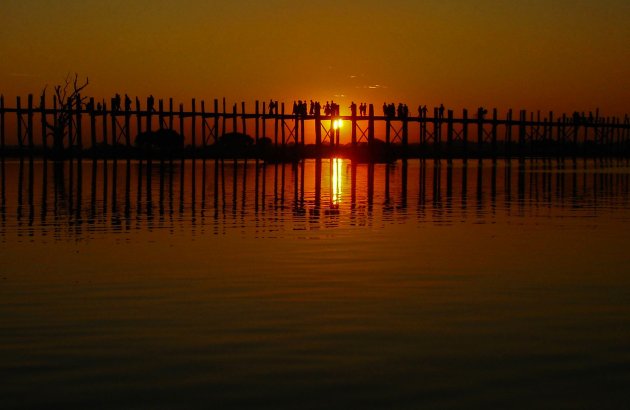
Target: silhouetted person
[441,111]
[295,108]
[127,103]
[311,108]
[150,103]
[116,103]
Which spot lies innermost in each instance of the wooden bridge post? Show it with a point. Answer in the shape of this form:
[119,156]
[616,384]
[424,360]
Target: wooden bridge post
[302,132]
[256,128]
[282,123]
[114,130]
[223,118]
[204,137]
[29,123]
[508,133]
[405,134]
[275,125]
[436,128]
[92,125]
[2,125]
[465,131]
[79,116]
[494,131]
[563,127]
[170,113]
[216,120]
[387,130]
[70,128]
[264,119]
[234,119]
[105,137]
[353,113]
[138,117]
[18,111]
[193,126]
[127,125]
[149,113]
[318,130]
[371,126]
[160,113]
[181,120]
[42,111]
[480,121]
[449,133]
[522,132]
[296,126]
[244,118]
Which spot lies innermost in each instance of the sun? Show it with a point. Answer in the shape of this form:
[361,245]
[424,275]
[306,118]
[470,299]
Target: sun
[337,124]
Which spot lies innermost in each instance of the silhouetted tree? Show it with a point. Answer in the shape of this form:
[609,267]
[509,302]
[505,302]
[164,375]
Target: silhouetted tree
[68,96]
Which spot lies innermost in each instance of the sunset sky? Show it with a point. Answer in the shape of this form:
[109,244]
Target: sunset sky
[537,54]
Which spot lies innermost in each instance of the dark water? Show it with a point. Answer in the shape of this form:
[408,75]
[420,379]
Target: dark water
[318,285]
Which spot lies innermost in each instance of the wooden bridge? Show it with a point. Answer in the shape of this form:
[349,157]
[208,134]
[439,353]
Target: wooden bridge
[95,130]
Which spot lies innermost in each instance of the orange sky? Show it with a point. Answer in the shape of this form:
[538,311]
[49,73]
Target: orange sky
[560,55]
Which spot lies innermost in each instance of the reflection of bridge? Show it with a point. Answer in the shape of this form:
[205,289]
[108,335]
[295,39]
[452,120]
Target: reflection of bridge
[121,195]
[110,132]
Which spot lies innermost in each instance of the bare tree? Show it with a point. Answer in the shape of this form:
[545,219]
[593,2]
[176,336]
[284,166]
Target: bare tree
[68,96]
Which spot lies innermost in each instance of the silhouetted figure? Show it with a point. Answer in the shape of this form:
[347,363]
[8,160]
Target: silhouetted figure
[99,107]
[353,108]
[116,103]
[150,103]
[127,103]
[318,108]
[327,109]
[481,113]
[295,108]
[441,111]
[311,108]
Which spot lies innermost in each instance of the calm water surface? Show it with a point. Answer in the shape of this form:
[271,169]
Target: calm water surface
[318,285]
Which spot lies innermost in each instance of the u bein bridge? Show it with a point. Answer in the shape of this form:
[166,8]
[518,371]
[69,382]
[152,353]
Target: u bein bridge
[96,131]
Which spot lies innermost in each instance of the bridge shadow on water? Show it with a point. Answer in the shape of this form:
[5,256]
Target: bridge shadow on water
[76,198]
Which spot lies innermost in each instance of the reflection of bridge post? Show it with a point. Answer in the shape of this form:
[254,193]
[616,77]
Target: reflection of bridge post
[256,183]
[31,205]
[480,185]
[493,185]
[422,187]
[387,171]
[370,185]
[521,182]
[508,183]
[127,192]
[296,186]
[44,210]
[353,185]
[318,183]
[464,198]
[449,184]
[264,185]
[403,190]
[302,177]
[437,183]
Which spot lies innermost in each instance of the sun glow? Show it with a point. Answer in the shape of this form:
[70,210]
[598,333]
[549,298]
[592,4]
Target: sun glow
[337,124]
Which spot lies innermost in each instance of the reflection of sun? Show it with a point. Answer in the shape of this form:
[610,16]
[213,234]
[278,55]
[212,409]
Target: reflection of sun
[337,124]
[336,180]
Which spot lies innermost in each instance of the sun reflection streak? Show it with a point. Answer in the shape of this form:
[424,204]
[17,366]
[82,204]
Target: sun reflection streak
[336,181]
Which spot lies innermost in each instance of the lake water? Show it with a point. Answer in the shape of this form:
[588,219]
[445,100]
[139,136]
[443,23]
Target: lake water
[318,285]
